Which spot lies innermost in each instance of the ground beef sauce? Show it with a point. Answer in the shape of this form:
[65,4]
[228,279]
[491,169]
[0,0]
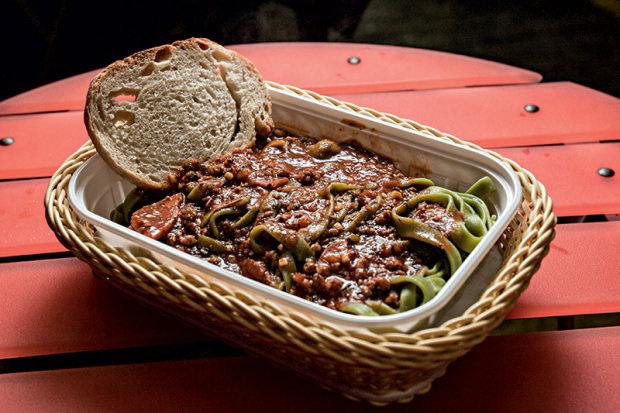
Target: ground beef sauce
[282,189]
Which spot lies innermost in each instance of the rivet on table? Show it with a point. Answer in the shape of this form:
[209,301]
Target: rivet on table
[354,60]
[531,108]
[606,172]
[6,141]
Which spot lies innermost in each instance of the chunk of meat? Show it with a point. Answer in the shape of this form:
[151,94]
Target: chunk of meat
[335,258]
[257,270]
[269,183]
[156,220]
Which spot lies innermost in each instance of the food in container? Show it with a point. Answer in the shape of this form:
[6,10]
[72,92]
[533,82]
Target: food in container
[95,191]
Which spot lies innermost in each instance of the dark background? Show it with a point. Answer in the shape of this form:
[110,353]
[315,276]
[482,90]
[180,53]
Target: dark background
[563,40]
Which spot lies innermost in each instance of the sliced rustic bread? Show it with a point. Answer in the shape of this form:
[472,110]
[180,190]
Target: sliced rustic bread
[193,99]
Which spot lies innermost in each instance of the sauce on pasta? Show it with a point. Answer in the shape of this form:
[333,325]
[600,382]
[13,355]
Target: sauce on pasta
[325,221]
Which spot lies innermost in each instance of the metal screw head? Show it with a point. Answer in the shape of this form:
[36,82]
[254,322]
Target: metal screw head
[6,141]
[531,108]
[606,172]
[354,60]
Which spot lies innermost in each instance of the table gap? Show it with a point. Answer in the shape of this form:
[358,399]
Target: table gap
[168,352]
[577,219]
[41,112]
[556,323]
[36,257]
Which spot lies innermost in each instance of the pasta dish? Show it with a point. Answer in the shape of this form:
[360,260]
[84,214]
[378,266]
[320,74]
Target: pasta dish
[329,222]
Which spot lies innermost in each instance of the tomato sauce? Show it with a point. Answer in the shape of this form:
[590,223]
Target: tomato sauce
[310,217]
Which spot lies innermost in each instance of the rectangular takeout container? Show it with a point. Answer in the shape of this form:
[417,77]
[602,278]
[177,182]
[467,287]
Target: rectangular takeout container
[94,190]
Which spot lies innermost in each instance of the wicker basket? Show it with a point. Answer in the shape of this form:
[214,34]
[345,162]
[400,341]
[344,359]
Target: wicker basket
[377,367]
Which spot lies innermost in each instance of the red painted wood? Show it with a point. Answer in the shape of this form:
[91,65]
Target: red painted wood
[57,306]
[321,67]
[23,229]
[570,174]
[42,142]
[578,276]
[566,371]
[494,116]
[559,371]
[64,94]
[324,67]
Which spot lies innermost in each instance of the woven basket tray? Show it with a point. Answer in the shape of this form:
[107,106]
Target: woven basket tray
[377,367]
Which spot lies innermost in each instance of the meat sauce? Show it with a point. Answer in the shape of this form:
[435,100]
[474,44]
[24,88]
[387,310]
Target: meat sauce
[310,217]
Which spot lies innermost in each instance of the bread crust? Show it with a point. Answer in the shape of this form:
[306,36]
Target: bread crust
[111,140]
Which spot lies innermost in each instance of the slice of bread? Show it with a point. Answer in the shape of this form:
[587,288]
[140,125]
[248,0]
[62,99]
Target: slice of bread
[194,99]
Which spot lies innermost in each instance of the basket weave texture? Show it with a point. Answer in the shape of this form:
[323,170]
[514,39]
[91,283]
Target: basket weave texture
[377,367]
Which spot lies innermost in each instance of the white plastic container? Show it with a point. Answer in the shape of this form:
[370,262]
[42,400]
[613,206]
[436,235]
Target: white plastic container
[94,190]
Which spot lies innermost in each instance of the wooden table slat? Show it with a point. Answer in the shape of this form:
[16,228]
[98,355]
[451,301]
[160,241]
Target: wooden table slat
[24,230]
[57,306]
[541,372]
[495,116]
[62,95]
[578,276]
[570,175]
[381,68]
[41,144]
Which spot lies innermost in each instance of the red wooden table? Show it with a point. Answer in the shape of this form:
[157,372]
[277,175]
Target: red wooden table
[68,342]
